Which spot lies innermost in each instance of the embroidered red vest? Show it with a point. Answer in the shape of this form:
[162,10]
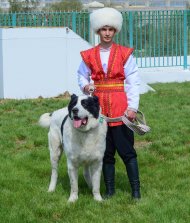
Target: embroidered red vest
[110,85]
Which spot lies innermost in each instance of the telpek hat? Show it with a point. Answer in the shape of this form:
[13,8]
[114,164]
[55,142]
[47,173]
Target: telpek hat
[106,17]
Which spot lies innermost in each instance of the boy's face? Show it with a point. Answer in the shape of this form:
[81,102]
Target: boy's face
[106,34]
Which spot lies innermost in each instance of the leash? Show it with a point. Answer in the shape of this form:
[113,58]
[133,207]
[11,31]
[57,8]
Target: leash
[139,125]
[62,124]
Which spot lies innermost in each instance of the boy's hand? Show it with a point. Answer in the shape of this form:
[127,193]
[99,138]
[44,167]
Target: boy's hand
[89,89]
[131,115]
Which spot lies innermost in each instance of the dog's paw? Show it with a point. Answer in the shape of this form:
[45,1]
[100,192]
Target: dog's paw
[98,197]
[50,190]
[73,198]
[52,185]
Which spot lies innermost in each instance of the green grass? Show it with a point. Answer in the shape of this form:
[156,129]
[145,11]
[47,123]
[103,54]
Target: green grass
[163,154]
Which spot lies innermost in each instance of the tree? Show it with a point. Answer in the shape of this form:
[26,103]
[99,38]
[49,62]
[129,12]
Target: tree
[15,6]
[23,5]
[66,5]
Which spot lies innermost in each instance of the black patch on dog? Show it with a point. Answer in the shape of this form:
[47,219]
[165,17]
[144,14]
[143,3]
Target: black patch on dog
[91,104]
[72,103]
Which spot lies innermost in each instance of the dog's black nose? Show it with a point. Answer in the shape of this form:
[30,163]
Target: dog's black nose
[75,111]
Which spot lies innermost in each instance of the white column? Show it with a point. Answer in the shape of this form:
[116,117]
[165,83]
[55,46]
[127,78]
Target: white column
[147,3]
[168,3]
[126,4]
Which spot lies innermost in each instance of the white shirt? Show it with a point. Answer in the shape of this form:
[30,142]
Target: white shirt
[131,83]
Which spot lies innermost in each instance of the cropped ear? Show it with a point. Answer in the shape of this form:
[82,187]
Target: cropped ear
[74,99]
[72,103]
[73,96]
[96,99]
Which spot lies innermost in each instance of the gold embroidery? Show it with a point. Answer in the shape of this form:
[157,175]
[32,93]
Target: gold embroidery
[109,85]
[128,52]
[111,63]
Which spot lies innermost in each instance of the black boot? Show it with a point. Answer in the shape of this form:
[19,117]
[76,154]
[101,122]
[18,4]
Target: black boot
[109,179]
[133,175]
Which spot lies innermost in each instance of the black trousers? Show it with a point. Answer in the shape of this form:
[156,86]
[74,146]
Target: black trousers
[119,138]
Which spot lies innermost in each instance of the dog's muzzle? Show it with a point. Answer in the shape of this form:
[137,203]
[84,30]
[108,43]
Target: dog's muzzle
[77,121]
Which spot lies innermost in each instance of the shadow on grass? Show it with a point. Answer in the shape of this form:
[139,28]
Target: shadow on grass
[121,184]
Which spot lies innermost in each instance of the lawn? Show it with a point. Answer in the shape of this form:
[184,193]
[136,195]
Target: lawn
[163,154]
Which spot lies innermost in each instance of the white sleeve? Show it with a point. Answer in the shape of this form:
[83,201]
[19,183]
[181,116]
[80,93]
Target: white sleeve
[83,75]
[132,83]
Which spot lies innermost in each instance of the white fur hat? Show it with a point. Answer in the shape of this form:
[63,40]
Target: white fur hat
[106,17]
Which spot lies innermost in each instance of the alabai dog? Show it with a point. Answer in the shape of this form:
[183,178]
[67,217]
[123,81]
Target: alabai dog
[80,132]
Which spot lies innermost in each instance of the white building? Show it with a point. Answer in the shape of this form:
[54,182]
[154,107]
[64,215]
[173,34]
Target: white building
[151,3]
[4,4]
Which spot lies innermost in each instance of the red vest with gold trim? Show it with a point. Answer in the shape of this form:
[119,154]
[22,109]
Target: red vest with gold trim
[110,85]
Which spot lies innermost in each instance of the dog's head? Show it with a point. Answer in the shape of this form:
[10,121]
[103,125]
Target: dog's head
[84,111]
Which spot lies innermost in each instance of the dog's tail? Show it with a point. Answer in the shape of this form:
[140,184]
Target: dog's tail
[44,120]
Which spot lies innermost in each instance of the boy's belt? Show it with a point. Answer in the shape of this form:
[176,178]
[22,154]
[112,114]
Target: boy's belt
[109,86]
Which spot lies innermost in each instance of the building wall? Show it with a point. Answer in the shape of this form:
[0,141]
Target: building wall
[1,68]
[39,62]
[4,4]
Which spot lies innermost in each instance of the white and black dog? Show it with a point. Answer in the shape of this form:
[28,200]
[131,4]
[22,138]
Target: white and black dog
[81,131]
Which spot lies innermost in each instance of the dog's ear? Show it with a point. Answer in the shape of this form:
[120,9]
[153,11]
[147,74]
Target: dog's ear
[97,103]
[74,99]
[73,96]
[72,103]
[96,99]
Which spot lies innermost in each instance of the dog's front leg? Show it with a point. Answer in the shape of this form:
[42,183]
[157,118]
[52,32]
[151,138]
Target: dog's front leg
[73,176]
[96,169]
